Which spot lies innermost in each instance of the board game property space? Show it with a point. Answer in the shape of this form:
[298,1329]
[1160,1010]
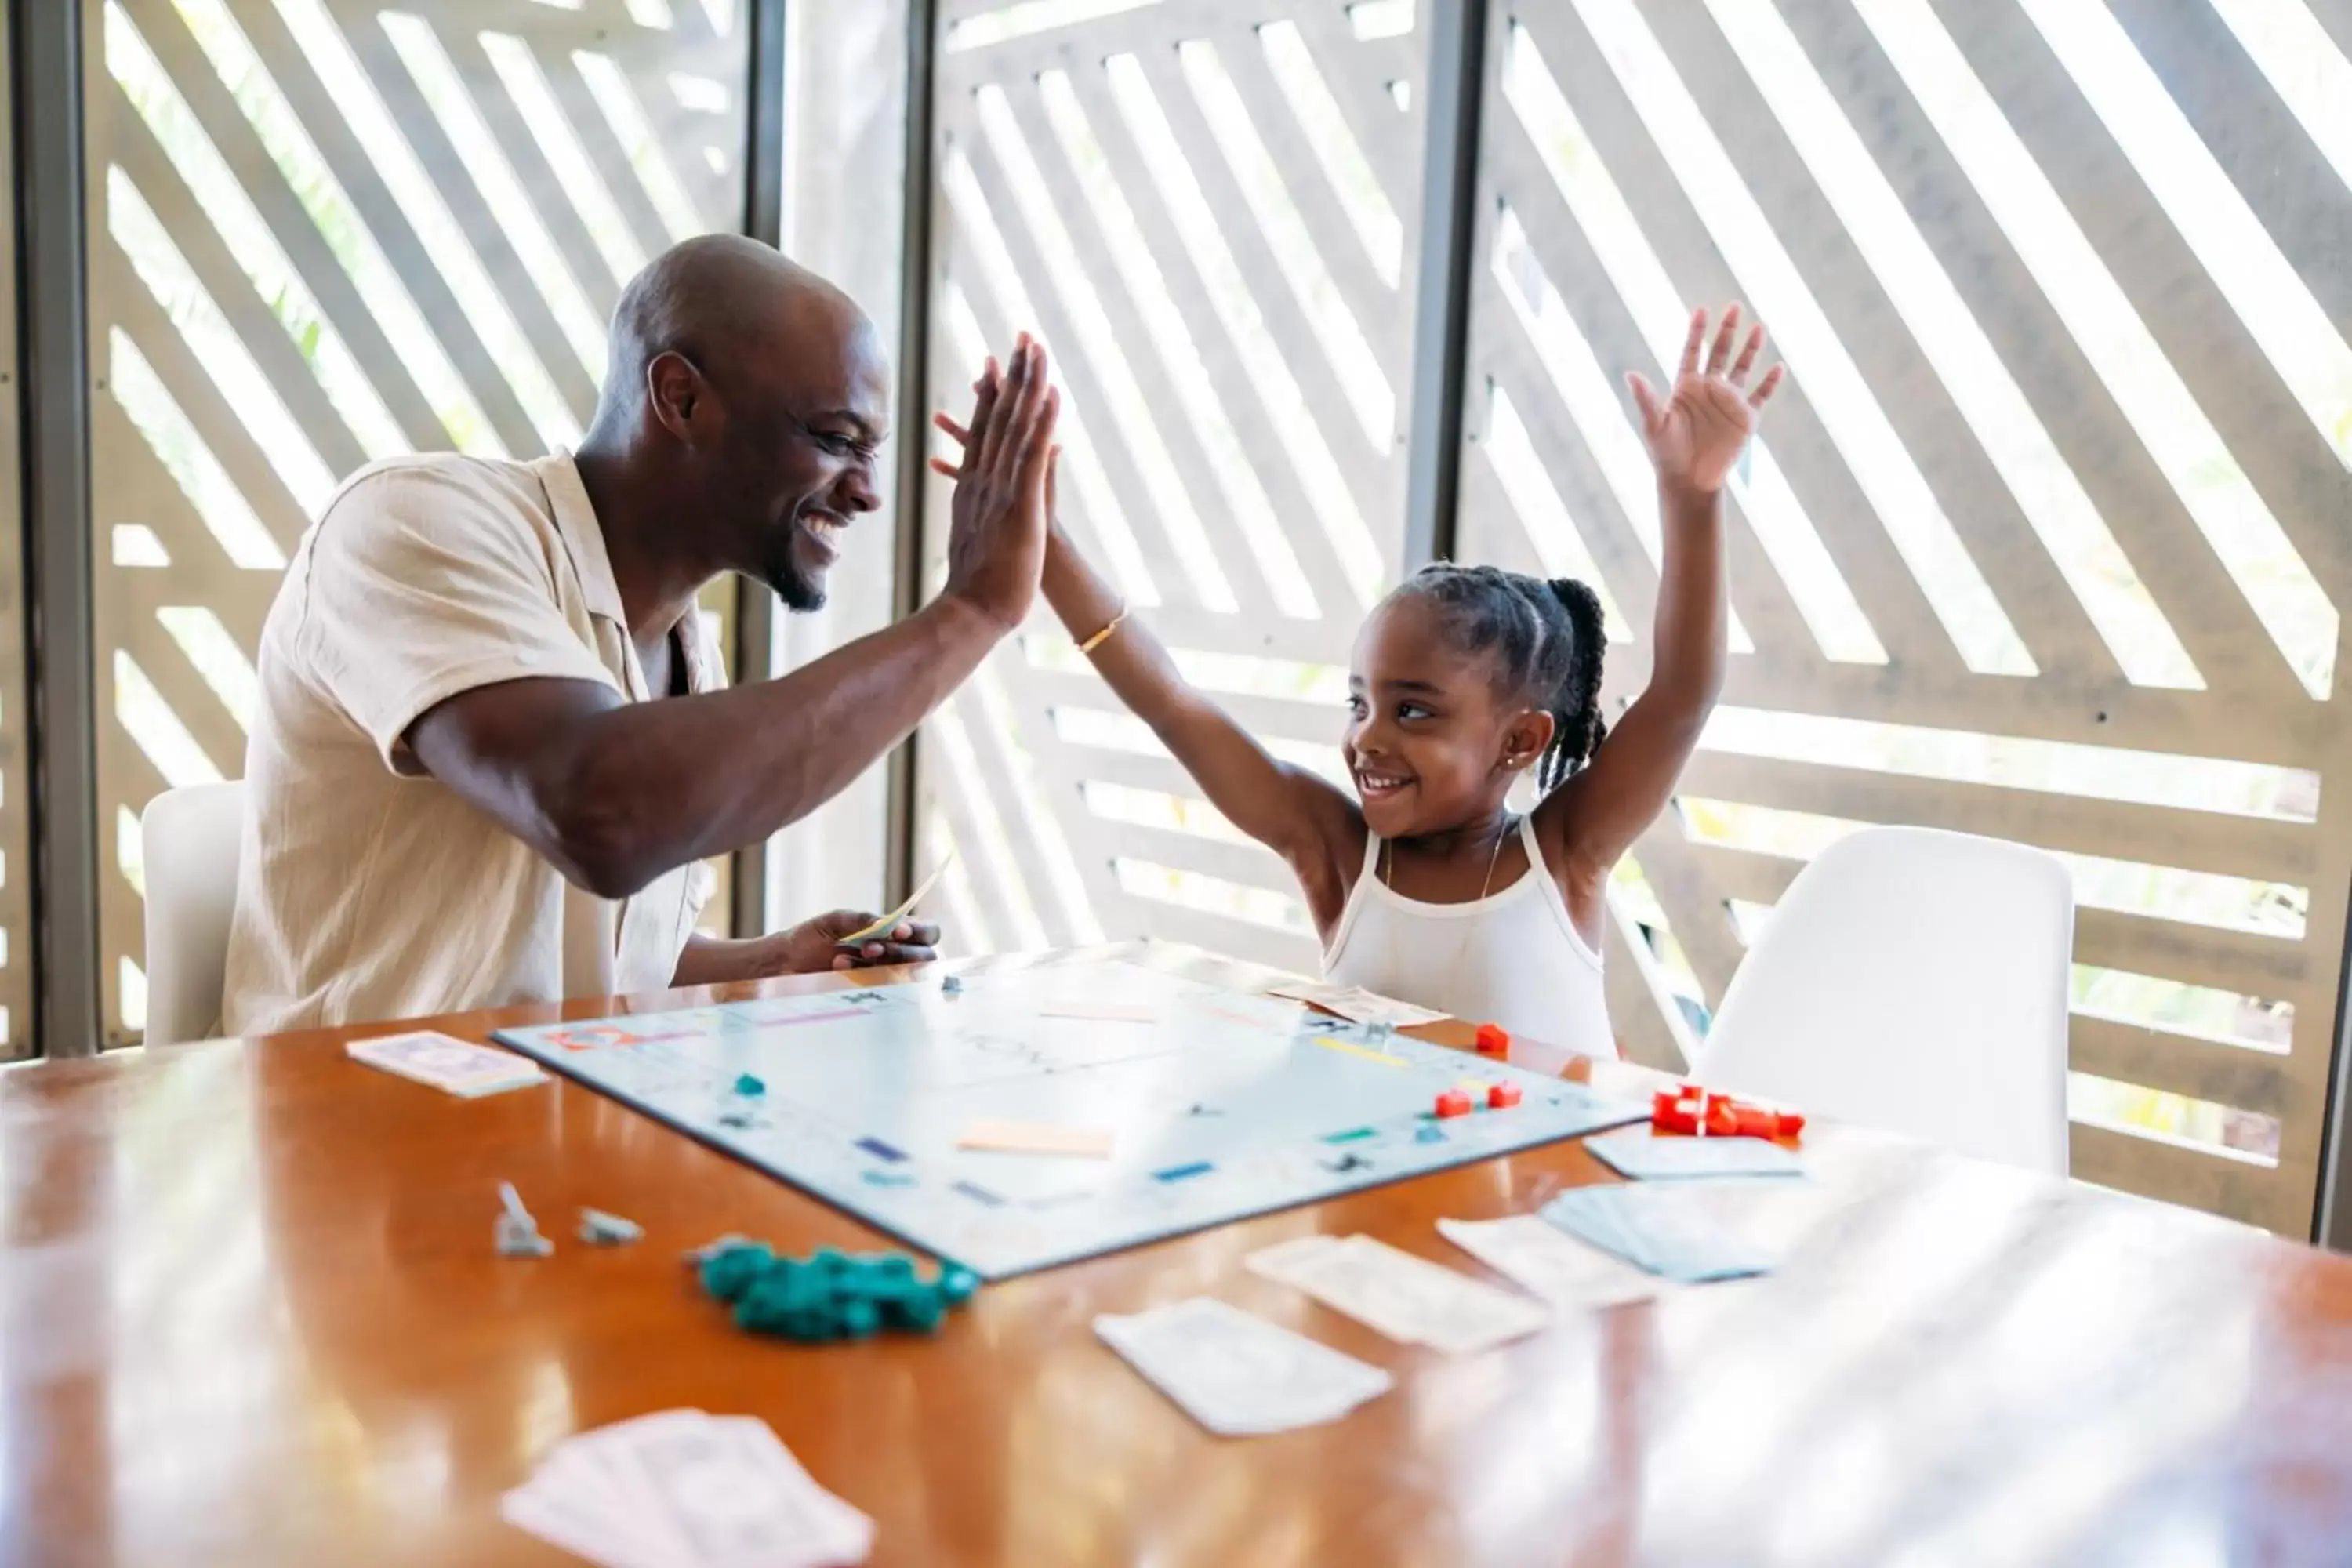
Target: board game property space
[1137,1104]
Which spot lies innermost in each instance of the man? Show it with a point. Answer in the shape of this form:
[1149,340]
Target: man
[492,749]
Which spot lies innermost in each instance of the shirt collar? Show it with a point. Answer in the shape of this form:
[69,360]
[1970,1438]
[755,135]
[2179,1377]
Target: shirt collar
[584,536]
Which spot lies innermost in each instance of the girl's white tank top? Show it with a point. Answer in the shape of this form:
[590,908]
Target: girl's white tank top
[1512,958]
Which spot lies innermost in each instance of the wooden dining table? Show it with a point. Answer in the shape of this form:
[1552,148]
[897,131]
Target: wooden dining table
[253,1316]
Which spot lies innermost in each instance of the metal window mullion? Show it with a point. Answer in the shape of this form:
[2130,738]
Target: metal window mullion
[917,195]
[47,40]
[763,220]
[2331,1222]
[1454,89]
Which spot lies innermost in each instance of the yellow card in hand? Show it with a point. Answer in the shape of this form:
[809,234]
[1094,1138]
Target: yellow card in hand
[868,933]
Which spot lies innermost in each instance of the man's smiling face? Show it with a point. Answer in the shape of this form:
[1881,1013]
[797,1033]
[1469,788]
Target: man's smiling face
[800,469]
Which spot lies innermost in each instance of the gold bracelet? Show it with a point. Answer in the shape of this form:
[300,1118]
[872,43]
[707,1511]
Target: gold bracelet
[1103,636]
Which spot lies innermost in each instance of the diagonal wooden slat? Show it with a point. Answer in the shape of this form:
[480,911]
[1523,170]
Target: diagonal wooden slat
[1389,137]
[1641,1005]
[1848,526]
[1607,534]
[549,201]
[1310,363]
[2171,556]
[1061,772]
[1134,359]
[998,325]
[1275,478]
[997,778]
[480,231]
[1310,192]
[200,399]
[1680,877]
[1372,490]
[605,154]
[1149,507]
[1760,597]
[208,257]
[2195,325]
[149,495]
[315,105]
[308,250]
[2048,617]
[1132,770]
[2302,204]
[2336,18]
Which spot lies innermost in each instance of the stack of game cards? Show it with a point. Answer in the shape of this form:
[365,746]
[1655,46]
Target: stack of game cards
[469,1071]
[1547,1263]
[1236,1374]
[1670,1230]
[685,1488]
[1409,1298]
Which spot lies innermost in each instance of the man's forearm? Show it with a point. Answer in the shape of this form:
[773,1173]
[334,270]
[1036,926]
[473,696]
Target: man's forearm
[649,786]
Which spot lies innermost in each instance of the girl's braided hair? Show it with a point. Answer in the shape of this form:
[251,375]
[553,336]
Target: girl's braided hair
[1547,641]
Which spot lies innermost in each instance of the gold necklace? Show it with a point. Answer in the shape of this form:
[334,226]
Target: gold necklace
[1486,883]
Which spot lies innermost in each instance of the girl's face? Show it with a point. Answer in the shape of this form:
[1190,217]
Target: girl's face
[1429,743]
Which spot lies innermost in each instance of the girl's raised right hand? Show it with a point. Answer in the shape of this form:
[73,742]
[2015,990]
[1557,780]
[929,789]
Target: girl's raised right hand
[1695,435]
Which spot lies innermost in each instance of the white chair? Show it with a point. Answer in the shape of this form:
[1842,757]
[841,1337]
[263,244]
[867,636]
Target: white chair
[1915,981]
[189,843]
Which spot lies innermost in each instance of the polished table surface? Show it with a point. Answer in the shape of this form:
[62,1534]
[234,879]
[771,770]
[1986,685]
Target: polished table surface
[253,1317]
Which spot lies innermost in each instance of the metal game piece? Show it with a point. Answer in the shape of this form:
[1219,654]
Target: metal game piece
[517,1233]
[598,1228]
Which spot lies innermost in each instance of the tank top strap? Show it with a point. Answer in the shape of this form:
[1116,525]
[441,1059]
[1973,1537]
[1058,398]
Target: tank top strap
[1535,850]
[1365,877]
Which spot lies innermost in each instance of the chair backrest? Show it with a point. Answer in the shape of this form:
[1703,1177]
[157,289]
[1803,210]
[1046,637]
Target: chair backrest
[1916,981]
[189,842]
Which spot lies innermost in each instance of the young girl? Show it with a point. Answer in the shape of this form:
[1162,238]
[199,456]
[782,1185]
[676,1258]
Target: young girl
[1426,888]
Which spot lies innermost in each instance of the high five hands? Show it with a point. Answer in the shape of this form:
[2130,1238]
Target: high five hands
[997,521]
[1695,434]
[965,440]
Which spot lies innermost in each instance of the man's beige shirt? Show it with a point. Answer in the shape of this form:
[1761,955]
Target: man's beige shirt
[367,890]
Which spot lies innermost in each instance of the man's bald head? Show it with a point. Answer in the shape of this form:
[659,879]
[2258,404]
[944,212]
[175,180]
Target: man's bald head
[720,301]
[751,394]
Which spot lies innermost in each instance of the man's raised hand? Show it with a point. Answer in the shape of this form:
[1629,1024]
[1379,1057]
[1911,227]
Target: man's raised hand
[998,519]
